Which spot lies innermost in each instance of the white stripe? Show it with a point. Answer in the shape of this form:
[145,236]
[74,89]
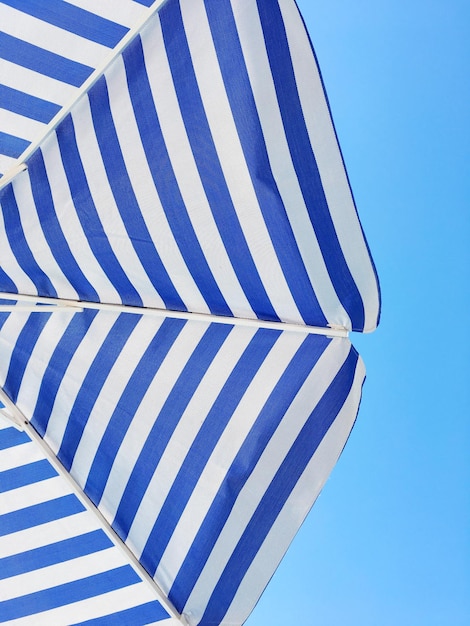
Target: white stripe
[297,506]
[125,12]
[92,608]
[38,363]
[6,163]
[147,414]
[329,161]
[35,238]
[256,59]
[105,204]
[70,224]
[34,84]
[50,37]
[19,125]
[186,172]
[225,452]
[45,534]
[5,420]
[232,160]
[109,396]
[184,434]
[71,385]
[6,417]
[33,494]
[28,453]
[61,573]
[272,458]
[3,425]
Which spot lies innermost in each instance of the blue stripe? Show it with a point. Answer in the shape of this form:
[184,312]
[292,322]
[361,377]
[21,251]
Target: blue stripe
[24,346]
[67,593]
[12,146]
[165,424]
[54,553]
[73,19]
[146,3]
[165,179]
[26,475]
[207,161]
[237,85]
[39,514]
[128,405]
[203,445]
[105,358]
[42,61]
[57,366]
[137,616]
[88,214]
[20,247]
[10,437]
[52,230]
[125,198]
[305,162]
[3,319]
[27,105]
[243,465]
[279,491]
[6,283]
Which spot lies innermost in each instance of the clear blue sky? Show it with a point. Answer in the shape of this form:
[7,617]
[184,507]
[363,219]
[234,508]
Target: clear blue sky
[388,541]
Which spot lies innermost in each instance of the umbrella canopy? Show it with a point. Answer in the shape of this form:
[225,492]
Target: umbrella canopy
[181,262]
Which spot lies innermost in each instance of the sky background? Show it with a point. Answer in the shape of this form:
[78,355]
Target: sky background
[388,541]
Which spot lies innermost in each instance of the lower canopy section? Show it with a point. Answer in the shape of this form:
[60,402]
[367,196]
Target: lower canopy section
[57,565]
[203,445]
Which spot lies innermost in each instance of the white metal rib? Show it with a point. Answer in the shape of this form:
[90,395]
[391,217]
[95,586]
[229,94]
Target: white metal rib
[77,306]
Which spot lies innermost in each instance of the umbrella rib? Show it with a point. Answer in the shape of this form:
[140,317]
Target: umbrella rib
[75,306]
[20,165]
[19,420]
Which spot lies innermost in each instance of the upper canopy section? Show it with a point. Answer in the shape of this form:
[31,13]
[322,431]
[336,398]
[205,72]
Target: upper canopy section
[200,171]
[48,49]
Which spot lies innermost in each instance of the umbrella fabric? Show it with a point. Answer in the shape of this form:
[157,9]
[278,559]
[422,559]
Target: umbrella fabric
[204,445]
[48,49]
[198,172]
[201,172]
[57,566]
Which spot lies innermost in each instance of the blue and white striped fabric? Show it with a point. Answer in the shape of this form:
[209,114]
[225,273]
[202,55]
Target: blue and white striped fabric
[198,172]
[57,566]
[201,172]
[204,445]
[48,49]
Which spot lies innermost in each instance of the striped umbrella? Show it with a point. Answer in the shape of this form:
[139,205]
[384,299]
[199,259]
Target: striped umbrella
[181,262]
